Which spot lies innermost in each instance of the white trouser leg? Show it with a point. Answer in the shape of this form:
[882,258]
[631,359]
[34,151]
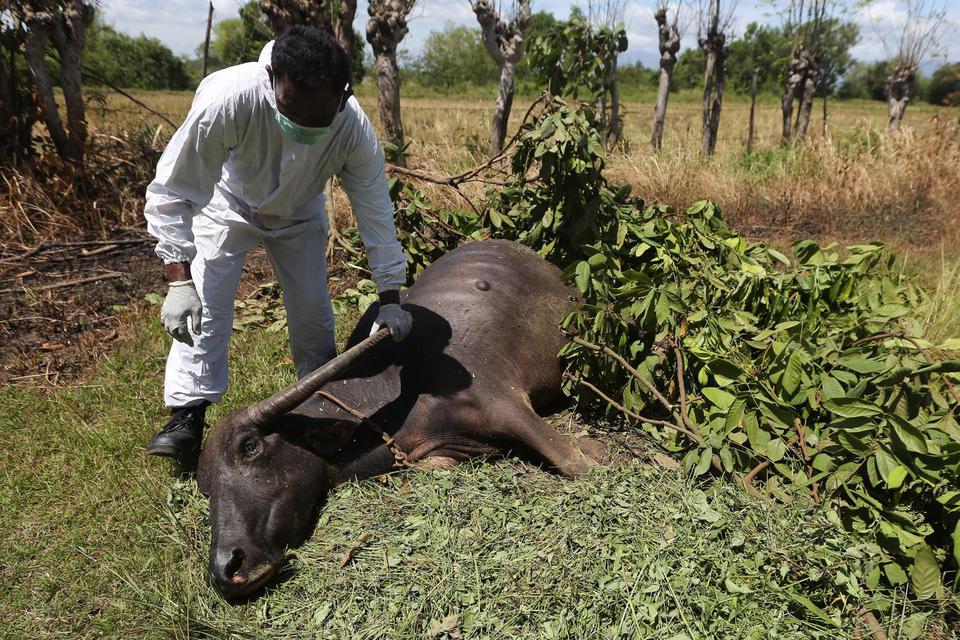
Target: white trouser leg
[300,263]
[199,372]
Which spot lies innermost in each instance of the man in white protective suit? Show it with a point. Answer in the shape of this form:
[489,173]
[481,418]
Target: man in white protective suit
[248,166]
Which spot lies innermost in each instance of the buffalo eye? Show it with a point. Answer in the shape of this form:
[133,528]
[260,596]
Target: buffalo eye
[250,447]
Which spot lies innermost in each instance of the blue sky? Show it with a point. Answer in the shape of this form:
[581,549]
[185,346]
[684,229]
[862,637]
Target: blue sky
[180,23]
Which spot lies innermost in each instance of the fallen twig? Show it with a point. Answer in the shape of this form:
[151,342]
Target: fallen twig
[468,175]
[96,76]
[694,437]
[352,551]
[626,365]
[873,625]
[748,479]
[67,283]
[44,246]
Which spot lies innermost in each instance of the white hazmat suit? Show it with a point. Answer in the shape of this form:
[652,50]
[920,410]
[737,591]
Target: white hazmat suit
[230,179]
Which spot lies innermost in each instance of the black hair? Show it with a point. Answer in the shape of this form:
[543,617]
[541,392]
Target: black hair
[311,58]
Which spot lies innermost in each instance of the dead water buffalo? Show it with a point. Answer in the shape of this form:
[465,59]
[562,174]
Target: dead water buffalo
[468,381]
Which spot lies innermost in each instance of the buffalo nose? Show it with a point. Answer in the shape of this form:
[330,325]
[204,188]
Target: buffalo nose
[224,566]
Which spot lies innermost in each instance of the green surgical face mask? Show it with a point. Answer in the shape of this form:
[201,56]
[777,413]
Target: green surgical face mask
[299,133]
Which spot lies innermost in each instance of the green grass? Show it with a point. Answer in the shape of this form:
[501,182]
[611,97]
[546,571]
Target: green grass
[98,541]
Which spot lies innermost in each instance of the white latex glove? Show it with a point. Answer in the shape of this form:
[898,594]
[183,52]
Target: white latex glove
[182,302]
[393,317]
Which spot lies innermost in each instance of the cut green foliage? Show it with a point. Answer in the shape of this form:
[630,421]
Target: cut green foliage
[810,374]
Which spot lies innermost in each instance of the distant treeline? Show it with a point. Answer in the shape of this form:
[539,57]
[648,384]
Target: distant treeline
[453,60]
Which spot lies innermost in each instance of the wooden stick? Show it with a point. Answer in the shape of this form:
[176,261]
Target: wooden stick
[682,387]
[636,416]
[748,479]
[43,246]
[879,336]
[626,365]
[96,76]
[469,174]
[67,283]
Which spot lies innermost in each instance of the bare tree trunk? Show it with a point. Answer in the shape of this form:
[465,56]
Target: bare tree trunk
[501,111]
[385,29]
[7,86]
[794,85]
[206,40]
[66,26]
[388,81]
[669,46]
[824,131]
[714,81]
[714,45]
[613,131]
[344,29]
[753,107]
[806,103]
[900,87]
[504,43]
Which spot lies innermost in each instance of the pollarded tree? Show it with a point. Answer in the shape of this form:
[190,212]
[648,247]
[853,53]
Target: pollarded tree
[916,39]
[713,41]
[504,43]
[333,16]
[63,23]
[606,17]
[669,37]
[385,29]
[804,20]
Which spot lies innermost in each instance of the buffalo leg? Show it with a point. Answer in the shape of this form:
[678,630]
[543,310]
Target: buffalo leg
[558,450]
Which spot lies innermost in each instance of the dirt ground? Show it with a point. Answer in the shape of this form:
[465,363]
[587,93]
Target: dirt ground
[63,304]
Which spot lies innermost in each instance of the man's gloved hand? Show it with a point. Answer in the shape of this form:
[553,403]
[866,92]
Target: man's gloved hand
[393,317]
[182,302]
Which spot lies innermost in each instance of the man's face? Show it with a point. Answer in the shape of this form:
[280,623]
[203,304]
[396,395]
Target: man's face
[306,107]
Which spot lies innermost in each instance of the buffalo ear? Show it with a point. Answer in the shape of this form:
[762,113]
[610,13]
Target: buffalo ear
[203,478]
[322,436]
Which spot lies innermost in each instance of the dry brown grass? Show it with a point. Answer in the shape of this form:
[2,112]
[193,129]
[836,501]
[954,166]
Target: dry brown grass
[856,183]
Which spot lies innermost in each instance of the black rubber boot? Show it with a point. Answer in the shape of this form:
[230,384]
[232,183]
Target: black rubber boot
[181,436]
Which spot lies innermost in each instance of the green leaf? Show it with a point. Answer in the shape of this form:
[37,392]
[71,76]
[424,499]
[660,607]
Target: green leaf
[908,435]
[851,407]
[776,255]
[724,372]
[793,374]
[718,397]
[862,365]
[956,543]
[814,609]
[703,464]
[925,574]
[896,477]
[733,587]
[895,574]
[583,276]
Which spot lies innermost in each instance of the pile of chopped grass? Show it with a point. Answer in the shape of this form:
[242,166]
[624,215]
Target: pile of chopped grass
[508,551]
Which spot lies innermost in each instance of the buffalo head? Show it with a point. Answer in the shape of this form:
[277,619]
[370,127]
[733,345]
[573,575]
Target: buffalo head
[262,469]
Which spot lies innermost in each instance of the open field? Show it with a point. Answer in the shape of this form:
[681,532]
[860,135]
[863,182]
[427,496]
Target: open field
[856,182]
[98,541]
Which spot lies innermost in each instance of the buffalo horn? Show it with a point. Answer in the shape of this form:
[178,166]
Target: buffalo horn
[288,399]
